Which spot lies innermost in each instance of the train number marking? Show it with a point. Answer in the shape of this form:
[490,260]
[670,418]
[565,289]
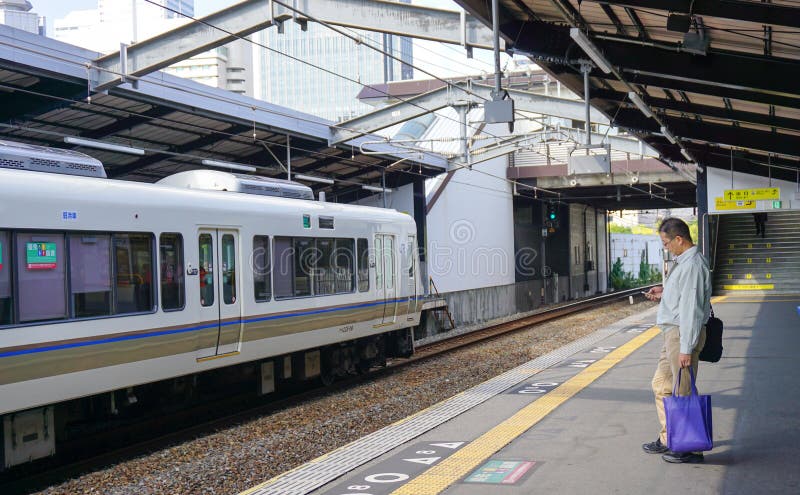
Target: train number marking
[602,350]
[537,388]
[583,363]
[346,328]
[384,478]
[424,460]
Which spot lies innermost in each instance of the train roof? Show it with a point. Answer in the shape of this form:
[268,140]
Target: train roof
[22,156]
[44,187]
[215,180]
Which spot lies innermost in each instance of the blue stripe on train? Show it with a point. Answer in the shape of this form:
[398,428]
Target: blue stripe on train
[191,329]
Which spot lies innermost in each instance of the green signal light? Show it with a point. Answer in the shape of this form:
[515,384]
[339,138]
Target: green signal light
[552,216]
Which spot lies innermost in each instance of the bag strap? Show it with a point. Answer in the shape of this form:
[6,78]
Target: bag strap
[712,311]
[677,384]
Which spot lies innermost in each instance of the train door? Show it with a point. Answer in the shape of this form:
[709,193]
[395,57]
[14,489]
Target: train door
[411,266]
[220,300]
[386,275]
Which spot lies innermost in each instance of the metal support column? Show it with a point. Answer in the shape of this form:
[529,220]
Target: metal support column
[586,68]
[702,213]
[288,157]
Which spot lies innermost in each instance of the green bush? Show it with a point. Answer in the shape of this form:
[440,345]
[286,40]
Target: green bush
[621,280]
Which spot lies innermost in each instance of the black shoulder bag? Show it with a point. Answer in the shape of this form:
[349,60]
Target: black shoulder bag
[712,349]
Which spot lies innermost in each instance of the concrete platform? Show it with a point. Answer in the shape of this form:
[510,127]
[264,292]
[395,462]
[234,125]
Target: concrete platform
[577,426]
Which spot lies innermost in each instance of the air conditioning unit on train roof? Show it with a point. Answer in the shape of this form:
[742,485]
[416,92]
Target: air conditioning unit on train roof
[22,156]
[214,180]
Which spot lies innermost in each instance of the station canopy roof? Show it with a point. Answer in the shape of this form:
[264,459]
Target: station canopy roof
[179,123]
[722,77]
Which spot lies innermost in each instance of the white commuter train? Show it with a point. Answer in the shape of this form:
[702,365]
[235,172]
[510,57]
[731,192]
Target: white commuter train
[107,286]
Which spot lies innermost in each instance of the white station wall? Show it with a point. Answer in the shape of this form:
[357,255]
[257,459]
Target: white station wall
[470,230]
[400,199]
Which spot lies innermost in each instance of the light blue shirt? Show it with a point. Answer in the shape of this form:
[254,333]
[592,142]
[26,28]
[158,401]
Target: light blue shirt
[686,300]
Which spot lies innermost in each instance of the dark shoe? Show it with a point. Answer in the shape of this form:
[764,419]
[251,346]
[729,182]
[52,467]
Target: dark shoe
[683,457]
[655,447]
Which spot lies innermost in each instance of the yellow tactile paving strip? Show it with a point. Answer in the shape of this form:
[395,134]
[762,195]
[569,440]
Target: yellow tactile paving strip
[755,298]
[438,478]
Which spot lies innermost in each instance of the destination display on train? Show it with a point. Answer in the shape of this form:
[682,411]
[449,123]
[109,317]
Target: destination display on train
[40,255]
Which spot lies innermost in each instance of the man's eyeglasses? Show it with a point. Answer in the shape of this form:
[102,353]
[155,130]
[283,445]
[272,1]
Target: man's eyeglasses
[665,244]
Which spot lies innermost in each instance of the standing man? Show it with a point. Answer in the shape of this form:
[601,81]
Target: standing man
[761,224]
[684,309]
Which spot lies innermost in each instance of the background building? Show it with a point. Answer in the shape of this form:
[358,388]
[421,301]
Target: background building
[17,13]
[331,71]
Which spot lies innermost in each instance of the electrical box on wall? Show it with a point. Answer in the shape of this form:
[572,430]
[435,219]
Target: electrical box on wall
[589,164]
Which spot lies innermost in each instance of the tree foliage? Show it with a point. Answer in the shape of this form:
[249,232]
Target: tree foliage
[620,279]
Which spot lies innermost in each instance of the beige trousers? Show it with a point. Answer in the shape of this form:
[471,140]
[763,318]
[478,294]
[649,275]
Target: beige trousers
[667,372]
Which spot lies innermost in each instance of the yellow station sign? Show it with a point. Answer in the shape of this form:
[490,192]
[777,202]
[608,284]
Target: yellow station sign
[723,204]
[752,194]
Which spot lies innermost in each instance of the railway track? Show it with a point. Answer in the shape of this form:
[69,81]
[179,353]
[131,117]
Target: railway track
[208,418]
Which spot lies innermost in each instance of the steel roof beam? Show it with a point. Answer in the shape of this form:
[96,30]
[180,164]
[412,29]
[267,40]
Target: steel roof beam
[255,15]
[129,122]
[719,70]
[614,19]
[713,133]
[703,89]
[687,107]
[745,162]
[153,158]
[738,10]
[434,100]
[638,23]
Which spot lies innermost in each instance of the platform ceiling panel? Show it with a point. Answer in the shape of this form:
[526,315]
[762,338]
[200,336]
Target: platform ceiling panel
[738,101]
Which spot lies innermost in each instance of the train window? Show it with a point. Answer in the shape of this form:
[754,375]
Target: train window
[41,276]
[206,270]
[363,265]
[171,270]
[283,263]
[305,258]
[228,249]
[343,266]
[90,274]
[6,299]
[133,263]
[324,273]
[261,268]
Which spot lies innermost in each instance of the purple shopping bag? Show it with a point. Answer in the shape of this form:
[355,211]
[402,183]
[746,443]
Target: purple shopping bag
[689,426]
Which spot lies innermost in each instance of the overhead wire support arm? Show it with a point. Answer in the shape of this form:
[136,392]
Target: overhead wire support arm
[501,108]
[250,16]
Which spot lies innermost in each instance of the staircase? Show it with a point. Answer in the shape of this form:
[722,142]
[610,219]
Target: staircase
[442,313]
[746,264]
